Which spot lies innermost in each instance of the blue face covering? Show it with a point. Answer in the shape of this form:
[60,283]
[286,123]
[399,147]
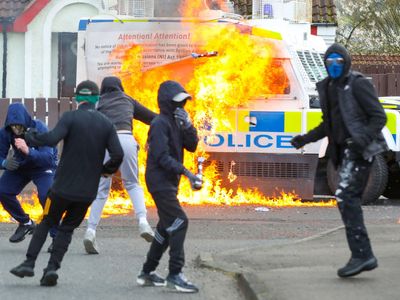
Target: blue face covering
[334,65]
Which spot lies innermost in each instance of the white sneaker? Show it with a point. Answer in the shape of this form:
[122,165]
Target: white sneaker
[145,231]
[89,241]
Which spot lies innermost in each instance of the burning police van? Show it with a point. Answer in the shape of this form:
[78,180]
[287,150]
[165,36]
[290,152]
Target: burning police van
[253,85]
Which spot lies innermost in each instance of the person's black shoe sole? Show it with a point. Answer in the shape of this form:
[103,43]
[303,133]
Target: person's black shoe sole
[49,279]
[368,265]
[29,231]
[22,271]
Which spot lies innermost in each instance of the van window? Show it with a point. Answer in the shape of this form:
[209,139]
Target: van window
[313,65]
[276,79]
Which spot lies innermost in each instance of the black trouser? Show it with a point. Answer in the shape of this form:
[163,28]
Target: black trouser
[53,213]
[171,231]
[353,177]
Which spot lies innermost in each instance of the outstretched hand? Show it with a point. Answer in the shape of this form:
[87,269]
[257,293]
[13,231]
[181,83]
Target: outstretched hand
[298,141]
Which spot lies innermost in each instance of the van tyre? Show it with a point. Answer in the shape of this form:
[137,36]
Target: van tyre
[392,190]
[377,180]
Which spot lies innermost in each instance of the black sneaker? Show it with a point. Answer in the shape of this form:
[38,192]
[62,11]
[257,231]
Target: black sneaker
[181,284]
[23,270]
[150,279]
[21,232]
[357,265]
[49,278]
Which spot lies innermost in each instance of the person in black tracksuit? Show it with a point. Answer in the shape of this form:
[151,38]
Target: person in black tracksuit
[170,133]
[87,134]
[352,120]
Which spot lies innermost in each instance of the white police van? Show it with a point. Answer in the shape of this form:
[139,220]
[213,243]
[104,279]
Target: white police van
[256,149]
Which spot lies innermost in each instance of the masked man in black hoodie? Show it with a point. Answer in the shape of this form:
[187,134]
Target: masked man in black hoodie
[170,133]
[87,134]
[352,119]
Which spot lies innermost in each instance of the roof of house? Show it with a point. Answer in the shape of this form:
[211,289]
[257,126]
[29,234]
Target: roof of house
[377,59]
[243,7]
[324,11]
[10,9]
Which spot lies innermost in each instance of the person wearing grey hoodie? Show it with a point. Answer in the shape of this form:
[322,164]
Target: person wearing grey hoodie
[352,119]
[121,109]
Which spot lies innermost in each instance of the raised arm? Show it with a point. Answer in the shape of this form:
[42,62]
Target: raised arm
[51,138]
[142,113]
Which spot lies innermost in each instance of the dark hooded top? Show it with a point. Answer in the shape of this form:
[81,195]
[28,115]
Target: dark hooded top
[86,134]
[119,107]
[350,108]
[167,142]
[39,158]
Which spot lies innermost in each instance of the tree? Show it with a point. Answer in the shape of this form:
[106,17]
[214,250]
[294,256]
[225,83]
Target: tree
[373,27]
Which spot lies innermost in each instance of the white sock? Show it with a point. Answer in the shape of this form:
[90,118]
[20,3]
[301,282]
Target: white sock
[29,223]
[143,220]
[91,230]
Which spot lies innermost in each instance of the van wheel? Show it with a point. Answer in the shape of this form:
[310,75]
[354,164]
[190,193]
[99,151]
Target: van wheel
[378,178]
[392,190]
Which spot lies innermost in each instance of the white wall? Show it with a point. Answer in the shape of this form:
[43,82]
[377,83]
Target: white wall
[327,32]
[15,65]
[33,56]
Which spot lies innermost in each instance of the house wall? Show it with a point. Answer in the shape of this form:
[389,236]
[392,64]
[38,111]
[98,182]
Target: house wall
[15,64]
[33,55]
[327,32]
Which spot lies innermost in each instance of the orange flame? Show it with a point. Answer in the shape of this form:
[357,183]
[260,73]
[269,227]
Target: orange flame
[193,8]
[243,69]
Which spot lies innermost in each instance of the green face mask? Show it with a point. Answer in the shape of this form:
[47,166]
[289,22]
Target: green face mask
[89,98]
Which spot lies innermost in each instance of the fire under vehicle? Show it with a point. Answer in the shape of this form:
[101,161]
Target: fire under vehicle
[254,148]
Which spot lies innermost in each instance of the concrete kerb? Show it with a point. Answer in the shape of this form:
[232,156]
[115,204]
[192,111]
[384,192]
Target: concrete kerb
[252,287]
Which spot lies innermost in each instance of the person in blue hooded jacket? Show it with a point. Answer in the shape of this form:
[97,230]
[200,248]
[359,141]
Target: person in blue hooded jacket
[22,165]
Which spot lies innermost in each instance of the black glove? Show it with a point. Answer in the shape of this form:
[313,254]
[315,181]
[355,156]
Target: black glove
[29,135]
[182,118]
[195,182]
[298,141]
[10,164]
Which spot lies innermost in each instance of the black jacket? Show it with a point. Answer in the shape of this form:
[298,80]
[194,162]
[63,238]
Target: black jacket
[86,134]
[119,107]
[361,113]
[166,143]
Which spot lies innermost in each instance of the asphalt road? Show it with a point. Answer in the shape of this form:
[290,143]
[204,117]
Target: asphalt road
[111,275]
